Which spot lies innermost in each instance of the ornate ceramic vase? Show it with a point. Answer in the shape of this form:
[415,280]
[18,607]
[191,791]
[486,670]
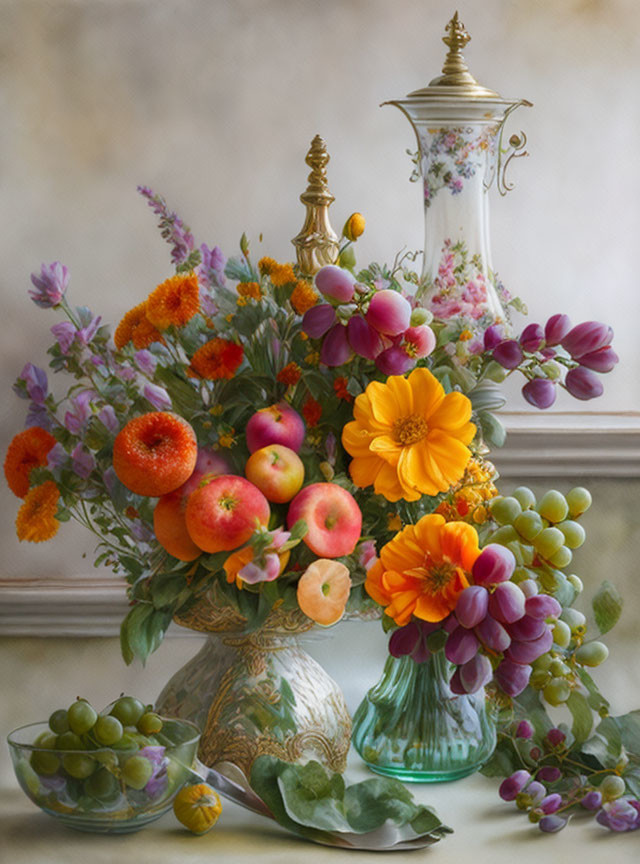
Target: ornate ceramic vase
[411,726]
[257,693]
[459,130]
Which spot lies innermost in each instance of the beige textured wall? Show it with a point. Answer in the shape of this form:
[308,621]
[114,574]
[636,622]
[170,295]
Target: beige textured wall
[214,104]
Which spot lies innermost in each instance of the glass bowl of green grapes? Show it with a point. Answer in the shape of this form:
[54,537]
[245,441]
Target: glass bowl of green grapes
[112,771]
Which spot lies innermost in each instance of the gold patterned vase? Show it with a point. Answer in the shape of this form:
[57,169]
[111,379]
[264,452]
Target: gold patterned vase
[257,693]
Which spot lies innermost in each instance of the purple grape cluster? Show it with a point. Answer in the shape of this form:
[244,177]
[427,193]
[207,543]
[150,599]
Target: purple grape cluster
[540,353]
[495,618]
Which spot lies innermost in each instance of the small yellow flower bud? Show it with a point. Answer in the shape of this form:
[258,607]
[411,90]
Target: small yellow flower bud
[354,226]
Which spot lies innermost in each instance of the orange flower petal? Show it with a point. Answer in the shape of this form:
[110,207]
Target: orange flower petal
[452,413]
[365,470]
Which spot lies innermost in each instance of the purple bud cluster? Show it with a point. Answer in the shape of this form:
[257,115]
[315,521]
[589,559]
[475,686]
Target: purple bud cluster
[375,326]
[588,346]
[495,618]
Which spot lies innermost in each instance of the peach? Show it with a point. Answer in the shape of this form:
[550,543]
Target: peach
[333,518]
[277,471]
[171,528]
[323,591]
[155,453]
[277,424]
[224,511]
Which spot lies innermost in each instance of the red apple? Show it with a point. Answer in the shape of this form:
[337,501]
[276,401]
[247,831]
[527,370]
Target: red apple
[223,513]
[277,471]
[333,519]
[278,424]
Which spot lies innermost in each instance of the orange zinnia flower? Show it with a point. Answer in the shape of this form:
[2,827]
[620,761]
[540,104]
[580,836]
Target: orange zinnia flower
[266,265]
[27,450]
[408,438]
[175,301]
[36,520]
[303,297]
[281,274]
[135,327]
[290,374]
[312,411]
[249,289]
[424,569]
[218,358]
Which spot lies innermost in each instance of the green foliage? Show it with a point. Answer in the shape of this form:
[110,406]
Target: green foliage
[607,606]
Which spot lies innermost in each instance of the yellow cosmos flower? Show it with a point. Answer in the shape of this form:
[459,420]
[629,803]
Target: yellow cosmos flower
[424,569]
[408,438]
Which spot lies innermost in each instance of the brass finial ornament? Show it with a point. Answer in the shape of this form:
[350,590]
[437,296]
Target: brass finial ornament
[317,244]
[455,72]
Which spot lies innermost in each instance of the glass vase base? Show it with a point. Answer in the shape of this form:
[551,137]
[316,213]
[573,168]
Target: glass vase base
[407,775]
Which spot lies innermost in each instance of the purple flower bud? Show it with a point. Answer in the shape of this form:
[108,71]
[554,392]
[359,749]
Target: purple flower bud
[493,335]
[455,684]
[524,730]
[552,823]
[514,784]
[158,397]
[335,347]
[318,320]
[146,362]
[56,457]
[536,792]
[603,360]
[548,353]
[532,338]
[494,564]
[583,384]
[475,673]
[555,736]
[472,606]
[527,628]
[86,334]
[65,333]
[110,480]
[335,283]
[404,639]
[107,417]
[51,285]
[363,339]
[35,379]
[450,623]
[620,815]
[394,361]
[542,606]
[493,635]
[540,392]
[550,803]
[592,800]
[508,353]
[506,604]
[512,677]
[556,329]
[549,774]
[389,312]
[461,646]
[586,338]
[527,652]
[83,462]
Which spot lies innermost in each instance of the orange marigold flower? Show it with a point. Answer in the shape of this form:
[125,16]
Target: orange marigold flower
[266,265]
[282,274]
[218,358]
[36,520]
[27,450]
[174,302]
[312,411]
[249,289]
[340,387]
[144,334]
[303,297]
[290,375]
[408,437]
[131,319]
[424,569]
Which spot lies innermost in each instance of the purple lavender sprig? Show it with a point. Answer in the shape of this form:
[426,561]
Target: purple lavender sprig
[172,229]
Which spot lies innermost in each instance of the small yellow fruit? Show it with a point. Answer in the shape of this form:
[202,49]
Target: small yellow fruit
[197,807]
[354,226]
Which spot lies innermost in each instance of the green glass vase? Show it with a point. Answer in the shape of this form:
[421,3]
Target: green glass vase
[410,725]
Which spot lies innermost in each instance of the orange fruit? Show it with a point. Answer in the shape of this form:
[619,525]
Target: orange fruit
[323,591]
[155,453]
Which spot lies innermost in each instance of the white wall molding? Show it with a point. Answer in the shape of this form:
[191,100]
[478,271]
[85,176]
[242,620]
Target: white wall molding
[551,444]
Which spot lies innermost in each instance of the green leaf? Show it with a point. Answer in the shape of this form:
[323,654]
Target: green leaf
[313,798]
[595,698]
[299,529]
[605,744]
[607,606]
[493,431]
[142,631]
[582,716]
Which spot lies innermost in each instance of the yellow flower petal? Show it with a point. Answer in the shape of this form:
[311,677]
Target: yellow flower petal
[452,413]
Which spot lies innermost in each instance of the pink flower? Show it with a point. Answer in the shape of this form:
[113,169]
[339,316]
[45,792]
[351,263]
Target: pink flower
[50,285]
[419,341]
[389,312]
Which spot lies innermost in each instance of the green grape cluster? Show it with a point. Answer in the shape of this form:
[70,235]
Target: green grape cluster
[75,745]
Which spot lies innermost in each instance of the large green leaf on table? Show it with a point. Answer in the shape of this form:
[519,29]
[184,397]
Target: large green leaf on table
[314,803]
[607,606]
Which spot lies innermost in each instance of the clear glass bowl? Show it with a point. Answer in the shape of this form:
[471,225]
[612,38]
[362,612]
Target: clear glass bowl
[102,801]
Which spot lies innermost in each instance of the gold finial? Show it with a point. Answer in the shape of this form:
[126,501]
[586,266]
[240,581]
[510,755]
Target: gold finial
[317,243]
[455,72]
